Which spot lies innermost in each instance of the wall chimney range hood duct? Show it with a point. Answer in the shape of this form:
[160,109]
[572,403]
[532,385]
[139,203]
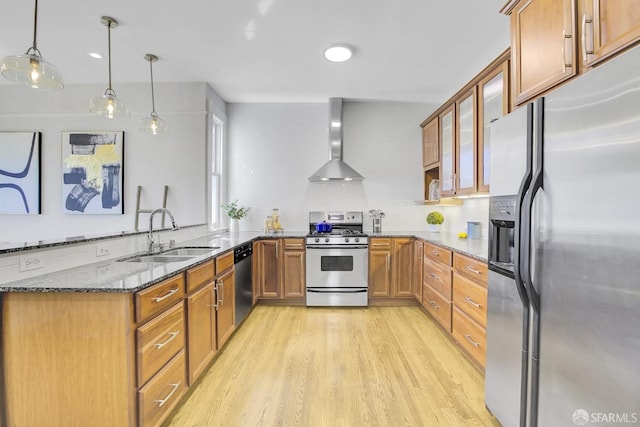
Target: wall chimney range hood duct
[335,169]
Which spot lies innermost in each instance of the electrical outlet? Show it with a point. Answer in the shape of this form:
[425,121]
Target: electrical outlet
[102,250]
[31,262]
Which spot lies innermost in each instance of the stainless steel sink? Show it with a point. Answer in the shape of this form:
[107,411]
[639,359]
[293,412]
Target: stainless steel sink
[191,251]
[162,258]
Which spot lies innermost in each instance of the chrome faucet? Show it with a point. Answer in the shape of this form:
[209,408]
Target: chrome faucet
[150,243]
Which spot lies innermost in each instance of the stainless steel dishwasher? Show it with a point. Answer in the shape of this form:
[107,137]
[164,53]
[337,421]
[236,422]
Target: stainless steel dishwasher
[244,288]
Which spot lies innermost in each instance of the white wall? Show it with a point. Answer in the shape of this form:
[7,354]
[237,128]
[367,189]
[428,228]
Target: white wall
[177,159]
[274,148]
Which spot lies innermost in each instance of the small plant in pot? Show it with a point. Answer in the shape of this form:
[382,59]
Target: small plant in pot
[235,213]
[435,220]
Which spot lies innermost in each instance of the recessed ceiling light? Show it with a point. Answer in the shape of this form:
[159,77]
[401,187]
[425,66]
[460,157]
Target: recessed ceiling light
[95,55]
[338,53]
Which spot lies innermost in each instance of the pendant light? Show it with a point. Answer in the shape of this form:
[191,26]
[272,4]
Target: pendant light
[152,124]
[109,105]
[30,69]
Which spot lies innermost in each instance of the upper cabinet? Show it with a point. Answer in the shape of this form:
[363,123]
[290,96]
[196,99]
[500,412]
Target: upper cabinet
[458,128]
[555,40]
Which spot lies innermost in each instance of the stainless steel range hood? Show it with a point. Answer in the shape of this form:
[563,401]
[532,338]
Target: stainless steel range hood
[335,169]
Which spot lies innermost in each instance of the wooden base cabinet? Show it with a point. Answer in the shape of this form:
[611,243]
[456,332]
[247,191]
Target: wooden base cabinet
[436,293]
[225,306]
[281,269]
[201,318]
[391,267]
[379,267]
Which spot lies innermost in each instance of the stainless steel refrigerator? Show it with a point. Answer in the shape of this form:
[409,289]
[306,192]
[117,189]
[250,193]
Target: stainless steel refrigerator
[563,323]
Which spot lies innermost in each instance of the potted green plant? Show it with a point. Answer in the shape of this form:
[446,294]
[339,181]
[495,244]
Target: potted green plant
[235,213]
[435,220]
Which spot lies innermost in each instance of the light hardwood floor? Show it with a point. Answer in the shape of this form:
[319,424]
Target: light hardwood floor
[297,366]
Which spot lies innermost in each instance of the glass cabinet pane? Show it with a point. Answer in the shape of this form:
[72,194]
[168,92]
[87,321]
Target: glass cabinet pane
[447,138]
[492,110]
[466,146]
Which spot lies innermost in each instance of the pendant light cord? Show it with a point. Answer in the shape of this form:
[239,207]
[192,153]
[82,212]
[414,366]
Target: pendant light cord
[153,99]
[109,50]
[35,27]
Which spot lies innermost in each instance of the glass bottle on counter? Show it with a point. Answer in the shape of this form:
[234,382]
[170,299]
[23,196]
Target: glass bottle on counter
[268,224]
[275,220]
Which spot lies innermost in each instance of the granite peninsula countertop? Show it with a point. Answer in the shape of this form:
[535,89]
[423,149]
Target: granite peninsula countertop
[120,276]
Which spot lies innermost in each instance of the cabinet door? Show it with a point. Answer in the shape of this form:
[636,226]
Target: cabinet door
[542,46]
[430,152]
[447,147]
[270,286]
[294,274]
[402,267]
[466,158]
[608,26]
[417,269]
[379,273]
[226,308]
[255,271]
[201,322]
[493,104]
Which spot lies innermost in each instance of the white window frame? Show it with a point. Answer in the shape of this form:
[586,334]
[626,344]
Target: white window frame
[217,172]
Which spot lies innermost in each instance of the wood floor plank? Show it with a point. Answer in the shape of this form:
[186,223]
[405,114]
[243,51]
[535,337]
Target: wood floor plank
[298,366]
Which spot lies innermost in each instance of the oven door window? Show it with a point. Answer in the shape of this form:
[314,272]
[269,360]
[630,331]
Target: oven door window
[336,263]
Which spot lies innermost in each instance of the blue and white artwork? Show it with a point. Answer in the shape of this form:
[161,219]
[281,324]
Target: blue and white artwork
[92,172]
[20,172]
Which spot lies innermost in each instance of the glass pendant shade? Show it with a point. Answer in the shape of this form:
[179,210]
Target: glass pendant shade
[30,69]
[153,125]
[109,105]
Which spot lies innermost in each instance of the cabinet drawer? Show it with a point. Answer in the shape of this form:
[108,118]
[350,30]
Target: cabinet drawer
[471,268]
[153,300]
[380,244]
[157,399]
[224,262]
[158,341]
[200,275]
[438,253]
[293,244]
[438,277]
[471,336]
[470,298]
[437,306]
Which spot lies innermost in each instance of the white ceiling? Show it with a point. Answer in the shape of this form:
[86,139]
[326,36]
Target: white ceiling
[269,50]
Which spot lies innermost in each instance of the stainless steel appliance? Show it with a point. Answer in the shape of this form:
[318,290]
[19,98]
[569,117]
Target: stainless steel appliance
[563,341]
[243,285]
[337,261]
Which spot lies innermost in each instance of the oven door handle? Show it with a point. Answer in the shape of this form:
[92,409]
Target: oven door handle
[337,291]
[337,246]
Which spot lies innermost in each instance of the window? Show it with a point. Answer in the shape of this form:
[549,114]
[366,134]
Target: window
[217,181]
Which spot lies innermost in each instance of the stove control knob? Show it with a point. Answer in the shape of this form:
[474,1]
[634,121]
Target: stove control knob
[316,240]
[326,239]
[346,239]
[357,239]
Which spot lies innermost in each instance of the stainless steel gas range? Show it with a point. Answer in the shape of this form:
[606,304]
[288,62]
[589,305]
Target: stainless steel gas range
[337,261]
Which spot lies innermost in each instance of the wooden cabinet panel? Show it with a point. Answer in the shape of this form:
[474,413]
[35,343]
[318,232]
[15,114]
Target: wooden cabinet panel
[200,275]
[201,319]
[430,143]
[471,336]
[379,273]
[158,341]
[471,268]
[270,277]
[158,297]
[609,26]
[402,267]
[470,298]
[226,309]
[437,306]
[438,277]
[294,273]
[256,260]
[465,152]
[543,40]
[438,253]
[293,244]
[418,268]
[224,262]
[157,399]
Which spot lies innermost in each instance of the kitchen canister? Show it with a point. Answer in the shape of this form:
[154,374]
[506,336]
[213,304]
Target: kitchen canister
[473,230]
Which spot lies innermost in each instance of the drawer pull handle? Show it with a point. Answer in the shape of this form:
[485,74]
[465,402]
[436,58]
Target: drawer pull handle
[468,337]
[473,270]
[163,401]
[435,277]
[435,253]
[165,296]
[472,302]
[433,303]
[167,341]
